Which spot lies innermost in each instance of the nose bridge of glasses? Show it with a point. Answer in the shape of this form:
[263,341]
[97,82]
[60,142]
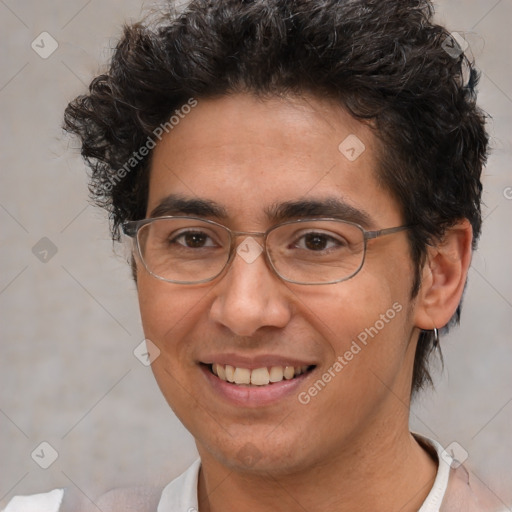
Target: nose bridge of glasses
[236,234]
[248,249]
[243,241]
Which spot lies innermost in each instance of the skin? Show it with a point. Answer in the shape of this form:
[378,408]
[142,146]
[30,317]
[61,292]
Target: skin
[349,448]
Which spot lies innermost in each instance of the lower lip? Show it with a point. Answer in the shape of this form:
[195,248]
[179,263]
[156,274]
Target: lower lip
[253,396]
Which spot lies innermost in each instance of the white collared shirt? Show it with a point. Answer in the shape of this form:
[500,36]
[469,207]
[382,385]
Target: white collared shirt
[181,494]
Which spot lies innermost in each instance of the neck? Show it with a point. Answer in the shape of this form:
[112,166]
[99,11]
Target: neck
[388,472]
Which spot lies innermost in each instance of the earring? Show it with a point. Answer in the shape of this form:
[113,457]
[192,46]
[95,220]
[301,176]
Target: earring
[436,338]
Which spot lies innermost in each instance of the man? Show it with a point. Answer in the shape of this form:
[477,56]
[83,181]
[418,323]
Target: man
[301,183]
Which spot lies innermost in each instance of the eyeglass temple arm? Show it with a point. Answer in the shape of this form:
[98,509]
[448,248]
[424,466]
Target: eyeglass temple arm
[387,231]
[130,228]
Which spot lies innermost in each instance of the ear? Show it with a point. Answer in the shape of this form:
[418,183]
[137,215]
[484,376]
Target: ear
[443,277]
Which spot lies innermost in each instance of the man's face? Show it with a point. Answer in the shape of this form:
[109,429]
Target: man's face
[249,156]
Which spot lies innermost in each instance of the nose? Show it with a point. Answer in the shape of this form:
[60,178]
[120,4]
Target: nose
[250,296]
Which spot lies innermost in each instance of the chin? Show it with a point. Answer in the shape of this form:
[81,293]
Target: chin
[258,453]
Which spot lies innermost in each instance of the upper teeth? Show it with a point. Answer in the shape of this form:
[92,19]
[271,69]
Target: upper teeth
[258,376]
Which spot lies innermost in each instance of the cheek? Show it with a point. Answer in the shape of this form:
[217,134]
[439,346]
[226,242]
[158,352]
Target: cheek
[169,314]
[167,311]
[365,321]
[354,306]
[157,308]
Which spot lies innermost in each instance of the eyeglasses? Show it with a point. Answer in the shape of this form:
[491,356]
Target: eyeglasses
[188,250]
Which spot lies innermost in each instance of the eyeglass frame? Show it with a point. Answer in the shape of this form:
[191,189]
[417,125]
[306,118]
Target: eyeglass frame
[131,229]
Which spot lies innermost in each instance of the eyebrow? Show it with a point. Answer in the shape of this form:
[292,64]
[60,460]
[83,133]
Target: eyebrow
[179,205]
[331,207]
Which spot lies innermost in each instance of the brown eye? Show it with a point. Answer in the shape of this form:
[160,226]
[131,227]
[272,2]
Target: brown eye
[315,242]
[193,240]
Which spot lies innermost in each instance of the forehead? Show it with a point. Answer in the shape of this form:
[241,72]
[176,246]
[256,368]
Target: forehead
[249,154]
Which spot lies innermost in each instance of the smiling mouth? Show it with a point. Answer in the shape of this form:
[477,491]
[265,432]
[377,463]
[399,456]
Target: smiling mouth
[259,376]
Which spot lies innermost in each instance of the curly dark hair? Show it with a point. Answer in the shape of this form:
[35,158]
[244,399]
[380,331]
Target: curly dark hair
[385,61]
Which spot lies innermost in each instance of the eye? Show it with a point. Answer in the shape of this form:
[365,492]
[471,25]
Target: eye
[316,241]
[193,239]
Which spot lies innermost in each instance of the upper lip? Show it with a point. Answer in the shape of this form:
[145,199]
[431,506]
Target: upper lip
[253,362]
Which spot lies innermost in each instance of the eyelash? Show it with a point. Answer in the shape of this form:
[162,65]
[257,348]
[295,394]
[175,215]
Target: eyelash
[174,239]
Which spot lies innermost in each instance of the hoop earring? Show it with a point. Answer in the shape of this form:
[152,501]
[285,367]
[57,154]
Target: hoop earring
[436,338]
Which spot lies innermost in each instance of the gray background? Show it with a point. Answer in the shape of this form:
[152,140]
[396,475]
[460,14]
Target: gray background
[70,324]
